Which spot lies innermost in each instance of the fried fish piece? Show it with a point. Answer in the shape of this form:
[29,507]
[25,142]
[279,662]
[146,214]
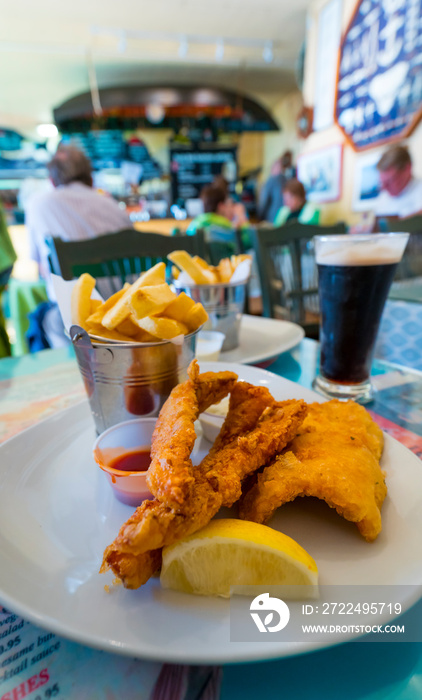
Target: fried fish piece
[335,457]
[239,451]
[227,468]
[170,474]
[247,403]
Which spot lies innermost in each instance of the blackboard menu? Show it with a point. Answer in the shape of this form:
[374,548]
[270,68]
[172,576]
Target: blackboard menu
[108,149]
[105,149]
[379,88]
[192,169]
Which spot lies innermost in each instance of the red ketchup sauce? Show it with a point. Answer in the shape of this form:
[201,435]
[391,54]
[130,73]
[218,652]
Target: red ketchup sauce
[136,461]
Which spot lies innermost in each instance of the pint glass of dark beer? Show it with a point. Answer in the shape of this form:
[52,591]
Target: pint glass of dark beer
[355,273]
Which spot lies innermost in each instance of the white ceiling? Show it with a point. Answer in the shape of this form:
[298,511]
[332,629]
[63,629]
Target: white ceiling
[43,50]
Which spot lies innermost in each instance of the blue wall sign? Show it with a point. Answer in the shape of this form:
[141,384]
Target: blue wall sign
[379,86]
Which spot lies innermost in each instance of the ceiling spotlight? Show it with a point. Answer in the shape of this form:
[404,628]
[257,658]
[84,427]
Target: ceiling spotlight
[219,50]
[267,53]
[183,47]
[47,130]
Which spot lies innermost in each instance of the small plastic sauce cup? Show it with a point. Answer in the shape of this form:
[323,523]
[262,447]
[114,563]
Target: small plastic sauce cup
[120,444]
[208,345]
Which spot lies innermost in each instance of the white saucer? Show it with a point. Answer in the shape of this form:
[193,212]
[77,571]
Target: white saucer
[263,339]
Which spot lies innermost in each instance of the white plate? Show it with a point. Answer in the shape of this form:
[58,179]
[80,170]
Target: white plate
[263,339]
[57,514]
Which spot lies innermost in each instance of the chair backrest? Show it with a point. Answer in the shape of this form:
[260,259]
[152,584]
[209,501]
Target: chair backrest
[287,269]
[411,264]
[220,243]
[118,256]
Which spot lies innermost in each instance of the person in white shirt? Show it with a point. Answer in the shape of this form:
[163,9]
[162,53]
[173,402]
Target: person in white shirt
[401,194]
[73,211]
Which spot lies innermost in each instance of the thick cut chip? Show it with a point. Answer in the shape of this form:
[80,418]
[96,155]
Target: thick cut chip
[121,310]
[225,270]
[81,299]
[199,274]
[196,317]
[107,333]
[155,275]
[98,314]
[180,307]
[162,327]
[95,305]
[128,327]
[147,301]
[201,262]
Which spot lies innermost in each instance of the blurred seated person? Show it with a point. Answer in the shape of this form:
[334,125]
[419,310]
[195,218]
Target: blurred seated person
[220,218]
[73,211]
[296,208]
[401,192]
[271,195]
[240,217]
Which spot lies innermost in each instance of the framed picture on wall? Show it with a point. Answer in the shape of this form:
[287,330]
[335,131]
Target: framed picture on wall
[366,184]
[321,173]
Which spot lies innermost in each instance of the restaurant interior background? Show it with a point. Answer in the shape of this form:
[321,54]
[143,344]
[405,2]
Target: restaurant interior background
[185,71]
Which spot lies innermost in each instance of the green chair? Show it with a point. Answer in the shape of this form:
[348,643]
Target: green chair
[119,256]
[288,272]
[411,263]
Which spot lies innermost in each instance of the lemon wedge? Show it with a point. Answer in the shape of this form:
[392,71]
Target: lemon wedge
[229,553]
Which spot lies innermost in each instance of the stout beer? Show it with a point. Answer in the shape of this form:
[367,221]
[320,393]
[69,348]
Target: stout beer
[355,274]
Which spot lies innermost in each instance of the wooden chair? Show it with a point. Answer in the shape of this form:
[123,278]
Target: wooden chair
[119,256]
[288,272]
[411,263]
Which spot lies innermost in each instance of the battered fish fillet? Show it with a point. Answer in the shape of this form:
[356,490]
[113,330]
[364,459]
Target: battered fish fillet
[170,476]
[217,481]
[334,457]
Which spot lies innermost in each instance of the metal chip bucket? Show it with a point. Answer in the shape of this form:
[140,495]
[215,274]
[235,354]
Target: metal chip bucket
[129,380]
[224,304]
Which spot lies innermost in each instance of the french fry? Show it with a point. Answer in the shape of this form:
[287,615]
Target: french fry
[143,313]
[150,300]
[162,327]
[155,275]
[121,310]
[237,259]
[80,304]
[128,327]
[225,270]
[179,308]
[175,272]
[195,317]
[99,313]
[144,337]
[199,274]
[99,330]
[95,305]
[201,262]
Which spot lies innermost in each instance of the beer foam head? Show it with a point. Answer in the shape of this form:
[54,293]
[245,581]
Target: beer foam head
[373,249]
